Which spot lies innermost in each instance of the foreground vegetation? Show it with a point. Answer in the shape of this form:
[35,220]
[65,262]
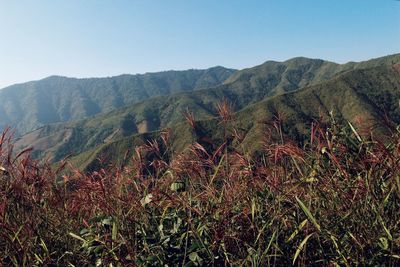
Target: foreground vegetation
[333,201]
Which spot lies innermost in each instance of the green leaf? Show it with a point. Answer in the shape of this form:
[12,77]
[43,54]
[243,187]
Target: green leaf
[333,238]
[308,214]
[43,245]
[177,186]
[152,259]
[394,256]
[355,132]
[77,237]
[194,257]
[38,258]
[217,169]
[385,228]
[114,231]
[270,242]
[107,221]
[301,247]
[253,208]
[384,244]
[84,231]
[303,223]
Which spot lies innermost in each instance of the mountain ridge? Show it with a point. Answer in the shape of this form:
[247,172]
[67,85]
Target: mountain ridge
[33,104]
[157,113]
[357,103]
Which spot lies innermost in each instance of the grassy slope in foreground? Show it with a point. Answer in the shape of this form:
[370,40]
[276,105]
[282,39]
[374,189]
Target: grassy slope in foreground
[301,206]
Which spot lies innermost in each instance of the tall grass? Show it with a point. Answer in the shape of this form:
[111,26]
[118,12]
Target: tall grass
[334,201]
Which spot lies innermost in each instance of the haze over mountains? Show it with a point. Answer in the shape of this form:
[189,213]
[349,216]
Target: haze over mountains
[301,89]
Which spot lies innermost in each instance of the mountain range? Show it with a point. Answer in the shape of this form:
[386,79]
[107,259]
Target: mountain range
[299,90]
[350,97]
[31,105]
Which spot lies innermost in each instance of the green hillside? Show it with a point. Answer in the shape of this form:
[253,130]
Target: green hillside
[31,105]
[243,89]
[218,191]
[364,97]
[299,72]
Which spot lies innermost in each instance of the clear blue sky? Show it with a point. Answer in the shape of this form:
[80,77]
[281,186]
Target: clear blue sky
[92,38]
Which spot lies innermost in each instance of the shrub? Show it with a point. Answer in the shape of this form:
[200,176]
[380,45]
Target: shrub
[333,201]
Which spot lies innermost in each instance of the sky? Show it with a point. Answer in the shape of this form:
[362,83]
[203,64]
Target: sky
[98,38]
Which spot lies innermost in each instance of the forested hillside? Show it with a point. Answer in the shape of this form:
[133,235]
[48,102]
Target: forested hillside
[242,91]
[28,106]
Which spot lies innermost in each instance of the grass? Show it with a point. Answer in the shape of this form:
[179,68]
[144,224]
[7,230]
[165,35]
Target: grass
[333,201]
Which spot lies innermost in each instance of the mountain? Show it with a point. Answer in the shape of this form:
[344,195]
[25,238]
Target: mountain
[362,96]
[31,105]
[298,72]
[244,89]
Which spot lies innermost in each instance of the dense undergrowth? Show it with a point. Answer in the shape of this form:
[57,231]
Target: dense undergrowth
[334,201]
